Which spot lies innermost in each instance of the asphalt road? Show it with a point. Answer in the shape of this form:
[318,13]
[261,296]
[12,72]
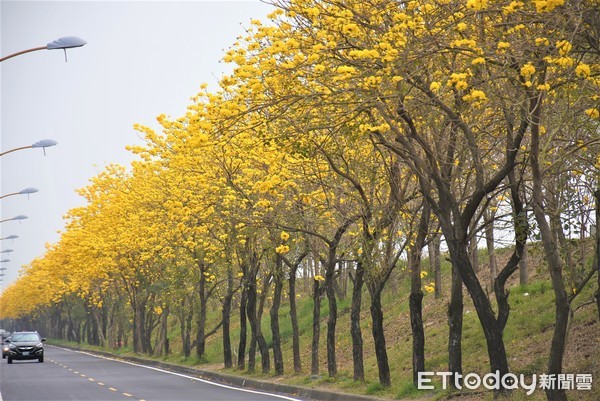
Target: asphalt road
[73,375]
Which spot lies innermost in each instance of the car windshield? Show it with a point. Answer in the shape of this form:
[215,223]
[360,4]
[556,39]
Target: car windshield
[24,337]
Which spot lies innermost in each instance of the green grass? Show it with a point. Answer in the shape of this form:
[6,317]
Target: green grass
[527,340]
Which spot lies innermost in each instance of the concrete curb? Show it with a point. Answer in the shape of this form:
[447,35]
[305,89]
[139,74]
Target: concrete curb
[240,381]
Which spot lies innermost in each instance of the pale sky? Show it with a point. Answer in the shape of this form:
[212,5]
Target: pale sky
[143,59]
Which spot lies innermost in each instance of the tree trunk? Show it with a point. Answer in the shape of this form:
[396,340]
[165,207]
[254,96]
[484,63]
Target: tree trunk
[294,319]
[316,329]
[491,329]
[435,265]
[416,295]
[557,347]
[331,321]
[455,321]
[418,333]
[597,295]
[201,318]
[274,313]
[355,332]
[162,347]
[256,329]
[185,323]
[379,338]
[523,273]
[241,362]
[226,319]
[489,240]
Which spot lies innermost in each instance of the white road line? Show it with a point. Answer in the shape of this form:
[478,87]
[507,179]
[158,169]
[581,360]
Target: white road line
[283,397]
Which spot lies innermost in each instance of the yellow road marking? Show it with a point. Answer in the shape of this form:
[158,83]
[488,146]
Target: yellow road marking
[112,389]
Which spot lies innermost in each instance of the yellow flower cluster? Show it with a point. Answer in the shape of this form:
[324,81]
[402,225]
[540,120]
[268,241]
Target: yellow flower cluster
[502,47]
[429,288]
[344,72]
[544,6]
[364,54]
[458,80]
[351,30]
[319,278]
[468,43]
[512,7]
[527,70]
[476,4]
[564,47]
[475,96]
[583,70]
[282,249]
[593,113]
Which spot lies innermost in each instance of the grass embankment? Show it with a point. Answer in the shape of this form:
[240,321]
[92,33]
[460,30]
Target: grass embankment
[527,338]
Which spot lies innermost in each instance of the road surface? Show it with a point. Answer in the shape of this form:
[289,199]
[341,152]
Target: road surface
[73,375]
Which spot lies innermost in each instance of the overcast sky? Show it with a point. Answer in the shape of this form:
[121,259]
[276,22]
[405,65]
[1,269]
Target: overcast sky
[143,58]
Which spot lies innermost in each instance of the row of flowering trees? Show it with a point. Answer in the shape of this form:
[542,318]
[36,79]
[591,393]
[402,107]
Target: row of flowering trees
[349,133]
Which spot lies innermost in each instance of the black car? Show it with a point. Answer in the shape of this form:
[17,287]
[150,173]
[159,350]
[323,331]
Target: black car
[25,345]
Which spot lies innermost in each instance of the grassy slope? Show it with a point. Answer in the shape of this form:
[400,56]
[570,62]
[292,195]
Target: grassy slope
[527,338]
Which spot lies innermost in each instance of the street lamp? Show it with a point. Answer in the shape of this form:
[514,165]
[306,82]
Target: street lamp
[64,43]
[10,237]
[25,191]
[44,143]
[19,217]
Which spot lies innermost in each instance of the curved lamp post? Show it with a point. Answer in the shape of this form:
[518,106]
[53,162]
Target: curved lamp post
[25,191]
[44,143]
[9,237]
[19,217]
[64,43]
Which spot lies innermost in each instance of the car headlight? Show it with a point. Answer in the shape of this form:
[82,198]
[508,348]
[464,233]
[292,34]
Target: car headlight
[12,346]
[40,345]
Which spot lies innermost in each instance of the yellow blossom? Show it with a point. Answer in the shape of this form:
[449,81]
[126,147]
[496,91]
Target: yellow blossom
[527,70]
[475,96]
[593,113]
[502,46]
[458,80]
[512,7]
[476,4]
[543,87]
[282,249]
[582,70]
[319,278]
[543,6]
[564,47]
